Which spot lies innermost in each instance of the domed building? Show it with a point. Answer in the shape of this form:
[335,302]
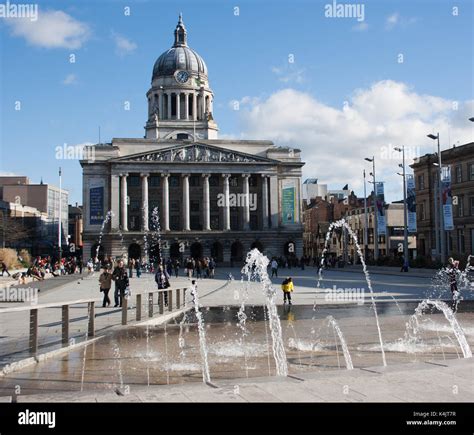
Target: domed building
[209,197]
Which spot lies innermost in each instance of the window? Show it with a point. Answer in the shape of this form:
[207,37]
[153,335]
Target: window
[460,206]
[471,172]
[194,181]
[133,181]
[174,181]
[195,223]
[195,205]
[422,211]
[182,136]
[215,222]
[155,180]
[175,223]
[234,181]
[214,180]
[134,205]
[458,174]
[461,245]
[471,205]
[253,181]
[174,205]
[421,182]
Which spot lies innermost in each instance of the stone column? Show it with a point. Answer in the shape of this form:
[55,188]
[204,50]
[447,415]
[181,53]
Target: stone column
[274,201]
[186,106]
[124,200]
[166,203]
[160,105]
[186,216]
[226,202]
[194,106]
[206,204]
[114,201]
[246,191]
[168,95]
[178,105]
[144,201]
[265,201]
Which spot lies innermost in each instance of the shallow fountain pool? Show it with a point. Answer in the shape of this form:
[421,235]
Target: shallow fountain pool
[170,354]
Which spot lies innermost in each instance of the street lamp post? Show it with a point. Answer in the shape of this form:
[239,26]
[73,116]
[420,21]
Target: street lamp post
[374,200]
[60,211]
[366,225]
[440,199]
[405,225]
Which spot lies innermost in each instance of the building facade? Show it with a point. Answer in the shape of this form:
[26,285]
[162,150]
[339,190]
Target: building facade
[209,197]
[460,240]
[45,199]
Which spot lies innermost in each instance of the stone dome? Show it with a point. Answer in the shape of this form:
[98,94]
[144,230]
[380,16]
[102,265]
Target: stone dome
[179,57]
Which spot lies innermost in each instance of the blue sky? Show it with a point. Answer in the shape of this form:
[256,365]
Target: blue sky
[336,60]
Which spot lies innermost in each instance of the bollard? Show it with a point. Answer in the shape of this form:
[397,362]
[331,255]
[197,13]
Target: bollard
[65,325]
[170,300]
[160,302]
[150,304]
[178,299]
[91,309]
[124,310]
[139,307]
[34,331]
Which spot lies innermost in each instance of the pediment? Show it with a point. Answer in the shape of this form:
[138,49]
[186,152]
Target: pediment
[194,153]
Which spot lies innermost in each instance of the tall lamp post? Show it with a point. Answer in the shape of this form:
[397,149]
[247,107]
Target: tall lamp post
[374,200]
[366,224]
[405,226]
[60,212]
[440,199]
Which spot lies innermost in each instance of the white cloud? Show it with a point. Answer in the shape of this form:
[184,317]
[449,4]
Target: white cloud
[123,46]
[361,27]
[334,141]
[53,29]
[396,19]
[289,74]
[71,79]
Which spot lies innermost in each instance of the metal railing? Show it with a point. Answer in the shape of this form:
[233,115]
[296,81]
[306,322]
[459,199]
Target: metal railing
[34,310]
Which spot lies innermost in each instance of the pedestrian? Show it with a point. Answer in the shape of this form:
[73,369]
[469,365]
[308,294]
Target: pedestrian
[120,277]
[162,281]
[131,265]
[176,267]
[274,266]
[138,268]
[212,267]
[5,269]
[105,280]
[287,287]
[453,270]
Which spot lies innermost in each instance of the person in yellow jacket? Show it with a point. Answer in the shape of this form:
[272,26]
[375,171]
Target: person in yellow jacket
[287,287]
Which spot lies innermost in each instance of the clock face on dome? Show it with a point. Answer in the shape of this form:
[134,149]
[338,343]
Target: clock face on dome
[182,76]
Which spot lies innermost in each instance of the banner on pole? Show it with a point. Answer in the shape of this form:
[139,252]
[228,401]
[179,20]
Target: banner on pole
[447,199]
[380,209]
[411,204]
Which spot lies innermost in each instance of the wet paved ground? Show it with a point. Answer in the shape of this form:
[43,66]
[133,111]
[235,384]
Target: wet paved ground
[140,356]
[125,358]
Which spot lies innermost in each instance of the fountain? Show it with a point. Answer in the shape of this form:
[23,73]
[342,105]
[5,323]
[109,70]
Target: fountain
[345,350]
[202,334]
[413,324]
[256,265]
[343,224]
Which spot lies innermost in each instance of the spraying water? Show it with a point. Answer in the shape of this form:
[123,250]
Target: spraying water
[413,323]
[343,224]
[256,265]
[202,334]
[345,350]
